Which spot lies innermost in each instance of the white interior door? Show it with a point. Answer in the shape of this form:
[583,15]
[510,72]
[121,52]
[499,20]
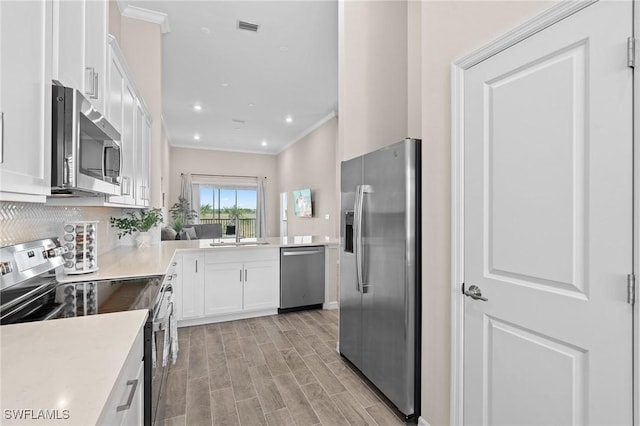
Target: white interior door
[548,226]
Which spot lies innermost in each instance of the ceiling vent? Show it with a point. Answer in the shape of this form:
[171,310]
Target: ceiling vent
[237,121]
[248,26]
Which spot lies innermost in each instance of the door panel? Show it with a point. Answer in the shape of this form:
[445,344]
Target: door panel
[260,285]
[548,226]
[350,296]
[223,288]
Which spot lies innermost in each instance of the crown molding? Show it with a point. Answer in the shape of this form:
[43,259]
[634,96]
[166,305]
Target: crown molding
[308,131]
[147,15]
[122,5]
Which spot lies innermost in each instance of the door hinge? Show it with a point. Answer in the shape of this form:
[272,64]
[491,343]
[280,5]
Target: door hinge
[631,52]
[631,289]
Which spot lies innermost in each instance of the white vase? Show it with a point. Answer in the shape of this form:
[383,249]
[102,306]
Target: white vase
[143,239]
[128,240]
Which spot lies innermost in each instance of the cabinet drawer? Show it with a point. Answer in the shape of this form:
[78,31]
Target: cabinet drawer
[237,254]
[122,391]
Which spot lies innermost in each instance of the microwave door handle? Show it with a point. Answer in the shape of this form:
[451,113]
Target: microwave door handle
[71,138]
[104,161]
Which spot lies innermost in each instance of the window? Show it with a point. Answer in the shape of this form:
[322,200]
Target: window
[221,204]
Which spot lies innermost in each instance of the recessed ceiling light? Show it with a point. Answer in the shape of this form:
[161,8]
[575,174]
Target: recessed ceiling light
[197,107]
[205,30]
[289,119]
[252,105]
[196,137]
[225,85]
[264,143]
[284,48]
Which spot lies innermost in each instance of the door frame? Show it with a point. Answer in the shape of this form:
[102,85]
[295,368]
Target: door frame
[538,23]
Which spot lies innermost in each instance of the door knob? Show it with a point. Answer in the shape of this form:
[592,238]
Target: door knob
[475,293]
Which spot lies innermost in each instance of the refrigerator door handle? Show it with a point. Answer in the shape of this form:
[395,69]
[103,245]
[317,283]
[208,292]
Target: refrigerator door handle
[356,235]
[359,251]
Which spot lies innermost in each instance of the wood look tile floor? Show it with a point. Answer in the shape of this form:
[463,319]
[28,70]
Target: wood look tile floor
[275,371]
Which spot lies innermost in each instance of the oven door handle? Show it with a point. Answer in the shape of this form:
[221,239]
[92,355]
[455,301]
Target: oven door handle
[162,323]
[55,312]
[29,298]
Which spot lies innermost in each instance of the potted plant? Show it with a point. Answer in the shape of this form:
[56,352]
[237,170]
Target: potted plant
[139,221]
[182,215]
[177,226]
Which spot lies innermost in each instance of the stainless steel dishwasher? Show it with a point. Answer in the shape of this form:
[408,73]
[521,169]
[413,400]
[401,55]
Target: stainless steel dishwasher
[301,278]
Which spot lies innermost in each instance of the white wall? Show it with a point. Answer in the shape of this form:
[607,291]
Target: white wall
[186,160]
[373,75]
[450,30]
[310,163]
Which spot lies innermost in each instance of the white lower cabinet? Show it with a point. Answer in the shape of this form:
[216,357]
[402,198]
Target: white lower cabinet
[235,283]
[126,403]
[261,285]
[223,288]
[191,287]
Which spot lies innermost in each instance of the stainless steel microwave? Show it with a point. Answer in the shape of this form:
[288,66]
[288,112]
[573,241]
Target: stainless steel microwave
[86,157]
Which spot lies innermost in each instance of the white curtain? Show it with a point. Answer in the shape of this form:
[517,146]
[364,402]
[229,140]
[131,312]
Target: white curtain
[187,192]
[261,209]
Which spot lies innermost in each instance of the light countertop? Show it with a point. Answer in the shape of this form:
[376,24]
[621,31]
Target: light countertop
[67,364]
[132,262]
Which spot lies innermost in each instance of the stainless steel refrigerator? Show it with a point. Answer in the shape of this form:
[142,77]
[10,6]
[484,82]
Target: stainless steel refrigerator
[379,270]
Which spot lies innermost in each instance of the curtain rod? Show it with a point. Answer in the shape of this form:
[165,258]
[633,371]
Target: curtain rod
[231,176]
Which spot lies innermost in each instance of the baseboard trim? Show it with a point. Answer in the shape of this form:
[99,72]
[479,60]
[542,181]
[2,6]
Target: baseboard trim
[330,305]
[227,317]
[422,422]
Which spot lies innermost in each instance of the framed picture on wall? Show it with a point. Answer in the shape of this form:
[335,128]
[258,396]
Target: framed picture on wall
[302,206]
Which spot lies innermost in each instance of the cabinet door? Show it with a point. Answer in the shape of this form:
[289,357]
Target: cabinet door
[128,145]
[127,140]
[192,286]
[143,153]
[223,288]
[261,285]
[68,43]
[134,415]
[25,100]
[115,91]
[95,51]
[146,160]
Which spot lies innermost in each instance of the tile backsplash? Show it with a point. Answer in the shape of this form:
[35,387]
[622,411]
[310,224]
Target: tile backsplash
[21,222]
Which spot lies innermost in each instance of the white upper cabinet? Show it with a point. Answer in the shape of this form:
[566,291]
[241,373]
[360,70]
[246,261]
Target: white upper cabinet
[25,100]
[80,47]
[68,43]
[120,108]
[143,154]
[95,51]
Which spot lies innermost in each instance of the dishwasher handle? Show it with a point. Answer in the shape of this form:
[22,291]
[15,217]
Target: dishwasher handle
[301,253]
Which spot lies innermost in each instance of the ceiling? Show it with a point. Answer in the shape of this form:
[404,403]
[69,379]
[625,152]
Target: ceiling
[246,82]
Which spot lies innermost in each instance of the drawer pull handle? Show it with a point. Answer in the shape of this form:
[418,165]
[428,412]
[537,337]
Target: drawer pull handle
[300,253]
[134,385]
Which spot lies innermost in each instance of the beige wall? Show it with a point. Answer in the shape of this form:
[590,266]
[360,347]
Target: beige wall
[450,30]
[311,163]
[414,69]
[141,43]
[185,160]
[373,75]
[115,20]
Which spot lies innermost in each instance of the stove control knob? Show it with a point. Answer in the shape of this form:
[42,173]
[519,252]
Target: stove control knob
[6,268]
